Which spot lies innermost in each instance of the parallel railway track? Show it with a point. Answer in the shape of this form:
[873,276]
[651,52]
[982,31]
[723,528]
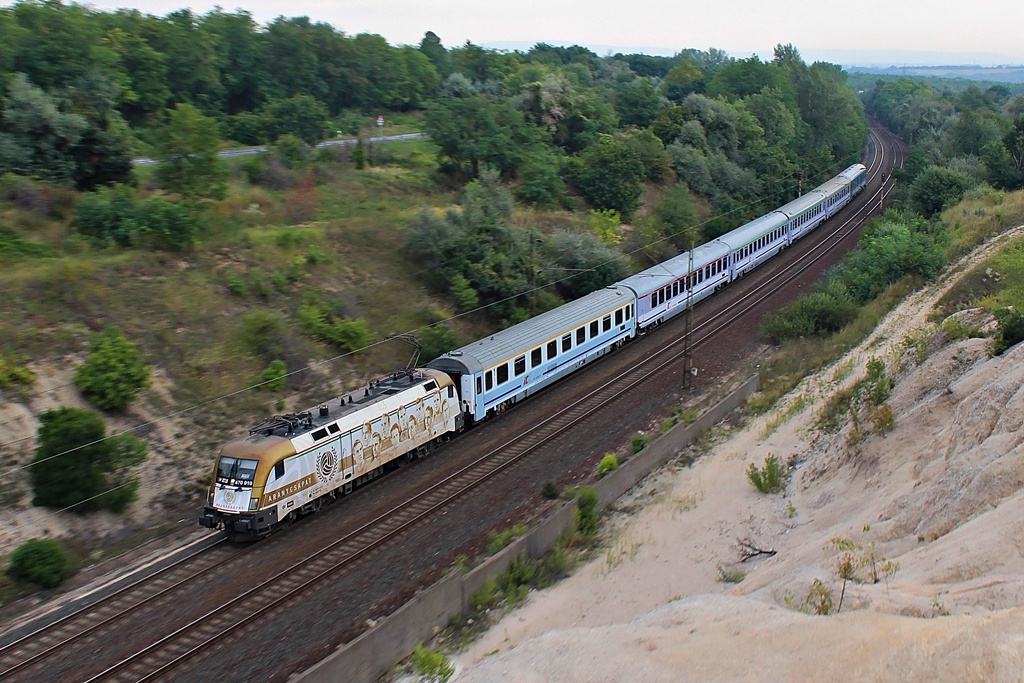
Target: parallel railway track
[186,644]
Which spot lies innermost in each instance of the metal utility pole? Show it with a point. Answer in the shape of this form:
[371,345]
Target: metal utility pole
[688,323]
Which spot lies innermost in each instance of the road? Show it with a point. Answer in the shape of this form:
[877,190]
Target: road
[246,151]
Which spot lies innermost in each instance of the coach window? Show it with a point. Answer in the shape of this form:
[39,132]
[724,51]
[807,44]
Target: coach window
[629,311]
[593,329]
[479,385]
[606,323]
[566,343]
[520,365]
[502,373]
[490,380]
[536,357]
[675,288]
[618,316]
[654,300]
[581,335]
[552,349]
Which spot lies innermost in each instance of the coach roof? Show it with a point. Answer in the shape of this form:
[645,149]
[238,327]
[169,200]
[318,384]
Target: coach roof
[519,339]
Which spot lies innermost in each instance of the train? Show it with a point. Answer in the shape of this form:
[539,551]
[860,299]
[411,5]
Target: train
[290,465]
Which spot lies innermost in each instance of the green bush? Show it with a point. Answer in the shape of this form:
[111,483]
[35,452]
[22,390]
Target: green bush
[609,463]
[79,468]
[113,374]
[344,333]
[587,514]
[273,376]
[11,374]
[550,490]
[498,540]
[434,667]
[640,442]
[1011,330]
[42,561]
[768,479]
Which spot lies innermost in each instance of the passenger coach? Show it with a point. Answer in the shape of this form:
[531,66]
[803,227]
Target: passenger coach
[495,372]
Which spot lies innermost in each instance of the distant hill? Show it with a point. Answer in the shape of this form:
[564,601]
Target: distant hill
[997,74]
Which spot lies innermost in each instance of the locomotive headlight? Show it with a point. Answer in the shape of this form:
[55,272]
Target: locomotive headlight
[252,504]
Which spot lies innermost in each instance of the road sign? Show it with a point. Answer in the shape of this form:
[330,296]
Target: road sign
[380,121]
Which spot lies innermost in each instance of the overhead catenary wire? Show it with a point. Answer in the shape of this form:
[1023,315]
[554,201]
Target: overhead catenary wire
[309,366]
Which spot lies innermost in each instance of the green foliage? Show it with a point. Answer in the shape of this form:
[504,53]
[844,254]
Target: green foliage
[1011,330]
[937,187]
[293,152]
[770,478]
[550,490]
[605,224]
[113,374]
[498,540]
[42,561]
[587,513]
[434,667]
[609,463]
[317,320]
[76,467]
[476,254]
[817,314]
[436,339]
[638,103]
[302,117]
[274,375]
[583,263]
[677,217]
[188,147]
[12,374]
[609,174]
[540,180]
[639,442]
[38,138]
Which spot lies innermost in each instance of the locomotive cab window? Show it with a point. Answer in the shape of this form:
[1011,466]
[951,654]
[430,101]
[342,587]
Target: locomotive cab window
[279,470]
[502,373]
[236,470]
[520,365]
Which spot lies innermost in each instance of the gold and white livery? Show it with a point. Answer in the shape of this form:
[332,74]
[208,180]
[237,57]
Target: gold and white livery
[291,464]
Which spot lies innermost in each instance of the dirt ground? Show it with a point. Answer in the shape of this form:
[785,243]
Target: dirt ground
[933,509]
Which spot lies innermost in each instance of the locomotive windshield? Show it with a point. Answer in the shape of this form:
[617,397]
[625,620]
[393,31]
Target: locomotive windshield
[235,471]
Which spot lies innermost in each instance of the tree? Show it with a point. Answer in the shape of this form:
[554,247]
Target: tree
[677,217]
[610,176]
[38,139]
[188,145]
[303,116]
[76,467]
[113,374]
[474,130]
[42,561]
[638,103]
[936,187]
[589,264]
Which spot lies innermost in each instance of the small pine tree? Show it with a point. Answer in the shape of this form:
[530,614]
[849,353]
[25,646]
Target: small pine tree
[768,479]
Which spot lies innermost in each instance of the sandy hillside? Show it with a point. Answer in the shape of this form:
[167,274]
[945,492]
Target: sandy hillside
[941,495]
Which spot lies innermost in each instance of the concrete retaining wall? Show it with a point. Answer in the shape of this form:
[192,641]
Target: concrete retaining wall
[370,655]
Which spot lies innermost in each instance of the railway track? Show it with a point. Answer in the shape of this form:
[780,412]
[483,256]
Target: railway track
[177,649]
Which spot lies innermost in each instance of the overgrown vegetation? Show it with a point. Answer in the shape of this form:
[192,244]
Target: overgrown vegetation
[434,667]
[498,540]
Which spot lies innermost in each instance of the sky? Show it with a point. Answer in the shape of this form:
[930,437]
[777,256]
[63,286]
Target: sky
[984,32]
